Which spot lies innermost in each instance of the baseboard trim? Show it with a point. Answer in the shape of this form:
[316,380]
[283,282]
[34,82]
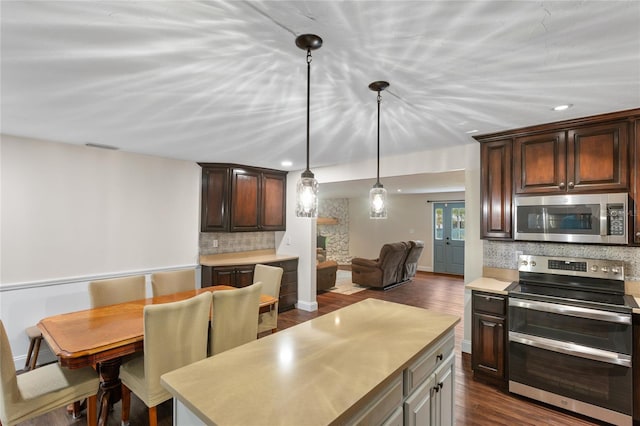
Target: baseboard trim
[307,306]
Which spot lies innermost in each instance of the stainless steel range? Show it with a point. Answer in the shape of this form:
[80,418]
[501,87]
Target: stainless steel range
[570,336]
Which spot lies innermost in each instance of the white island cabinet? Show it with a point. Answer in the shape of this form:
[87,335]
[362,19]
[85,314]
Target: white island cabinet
[370,363]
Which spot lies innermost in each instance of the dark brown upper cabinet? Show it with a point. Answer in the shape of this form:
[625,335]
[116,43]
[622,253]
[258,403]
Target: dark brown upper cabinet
[584,159]
[239,198]
[635,194]
[214,211]
[496,189]
[585,155]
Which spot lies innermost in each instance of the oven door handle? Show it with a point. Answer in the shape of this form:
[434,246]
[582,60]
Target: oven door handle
[569,348]
[574,311]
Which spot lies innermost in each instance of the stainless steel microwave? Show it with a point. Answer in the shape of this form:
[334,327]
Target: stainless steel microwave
[573,218]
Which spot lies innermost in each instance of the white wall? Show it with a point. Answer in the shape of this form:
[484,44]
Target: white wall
[473,257]
[70,214]
[410,217]
[70,211]
[300,239]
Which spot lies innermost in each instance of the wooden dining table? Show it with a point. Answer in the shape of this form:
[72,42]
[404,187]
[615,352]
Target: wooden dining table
[102,336]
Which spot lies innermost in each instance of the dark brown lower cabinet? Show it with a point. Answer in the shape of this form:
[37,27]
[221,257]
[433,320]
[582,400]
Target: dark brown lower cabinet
[236,276]
[489,337]
[242,276]
[636,369]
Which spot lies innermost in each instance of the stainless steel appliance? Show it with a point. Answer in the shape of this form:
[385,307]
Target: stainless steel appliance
[570,336]
[573,218]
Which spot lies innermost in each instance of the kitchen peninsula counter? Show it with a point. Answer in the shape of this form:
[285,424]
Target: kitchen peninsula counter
[244,258]
[327,370]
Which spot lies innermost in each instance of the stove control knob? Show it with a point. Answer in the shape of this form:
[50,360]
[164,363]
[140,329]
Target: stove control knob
[594,268]
[525,263]
[533,263]
[605,269]
[615,270]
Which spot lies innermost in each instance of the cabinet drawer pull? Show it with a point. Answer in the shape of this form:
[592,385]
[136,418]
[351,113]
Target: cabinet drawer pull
[439,357]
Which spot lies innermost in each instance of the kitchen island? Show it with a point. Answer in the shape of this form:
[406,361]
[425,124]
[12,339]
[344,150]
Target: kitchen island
[370,362]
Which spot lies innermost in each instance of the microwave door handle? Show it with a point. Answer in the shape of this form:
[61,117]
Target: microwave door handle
[603,221]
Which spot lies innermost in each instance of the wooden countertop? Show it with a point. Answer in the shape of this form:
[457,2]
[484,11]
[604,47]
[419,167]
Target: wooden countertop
[316,371]
[244,258]
[490,285]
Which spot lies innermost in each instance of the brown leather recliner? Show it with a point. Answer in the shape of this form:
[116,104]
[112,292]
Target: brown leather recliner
[386,270]
[411,263]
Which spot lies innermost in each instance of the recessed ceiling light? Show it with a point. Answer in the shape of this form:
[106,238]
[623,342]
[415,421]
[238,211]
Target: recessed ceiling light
[562,107]
[399,190]
[286,163]
[471,131]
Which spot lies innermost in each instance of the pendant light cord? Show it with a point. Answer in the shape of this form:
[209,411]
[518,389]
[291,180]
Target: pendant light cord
[378,167]
[307,172]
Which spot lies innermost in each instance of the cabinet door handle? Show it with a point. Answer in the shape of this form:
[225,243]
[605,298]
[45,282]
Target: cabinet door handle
[571,185]
[436,388]
[439,357]
[561,185]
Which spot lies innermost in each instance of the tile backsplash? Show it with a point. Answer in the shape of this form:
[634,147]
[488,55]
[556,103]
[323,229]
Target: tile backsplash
[498,254]
[231,242]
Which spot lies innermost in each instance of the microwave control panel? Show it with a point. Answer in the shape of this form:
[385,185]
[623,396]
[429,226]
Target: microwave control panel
[615,219]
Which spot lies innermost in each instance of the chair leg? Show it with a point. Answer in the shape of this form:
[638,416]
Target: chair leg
[27,363]
[126,404]
[36,351]
[153,416]
[77,408]
[92,410]
[35,339]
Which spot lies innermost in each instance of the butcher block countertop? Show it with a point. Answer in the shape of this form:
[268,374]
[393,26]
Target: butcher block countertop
[244,258]
[318,372]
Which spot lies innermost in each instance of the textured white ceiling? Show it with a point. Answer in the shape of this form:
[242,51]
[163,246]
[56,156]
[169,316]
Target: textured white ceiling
[223,81]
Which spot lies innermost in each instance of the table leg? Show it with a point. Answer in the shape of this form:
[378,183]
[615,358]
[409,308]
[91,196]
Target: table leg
[110,390]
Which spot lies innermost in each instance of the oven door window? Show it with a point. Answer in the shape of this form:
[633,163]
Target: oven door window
[571,219]
[598,383]
[604,335]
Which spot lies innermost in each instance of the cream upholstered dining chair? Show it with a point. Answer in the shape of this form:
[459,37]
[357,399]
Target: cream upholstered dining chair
[173,282]
[117,290]
[270,277]
[175,335]
[234,321]
[46,388]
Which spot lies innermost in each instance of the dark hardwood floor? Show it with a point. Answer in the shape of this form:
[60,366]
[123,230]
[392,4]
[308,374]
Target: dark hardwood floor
[476,403]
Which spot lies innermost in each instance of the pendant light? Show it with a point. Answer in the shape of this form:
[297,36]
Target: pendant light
[377,194]
[307,189]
